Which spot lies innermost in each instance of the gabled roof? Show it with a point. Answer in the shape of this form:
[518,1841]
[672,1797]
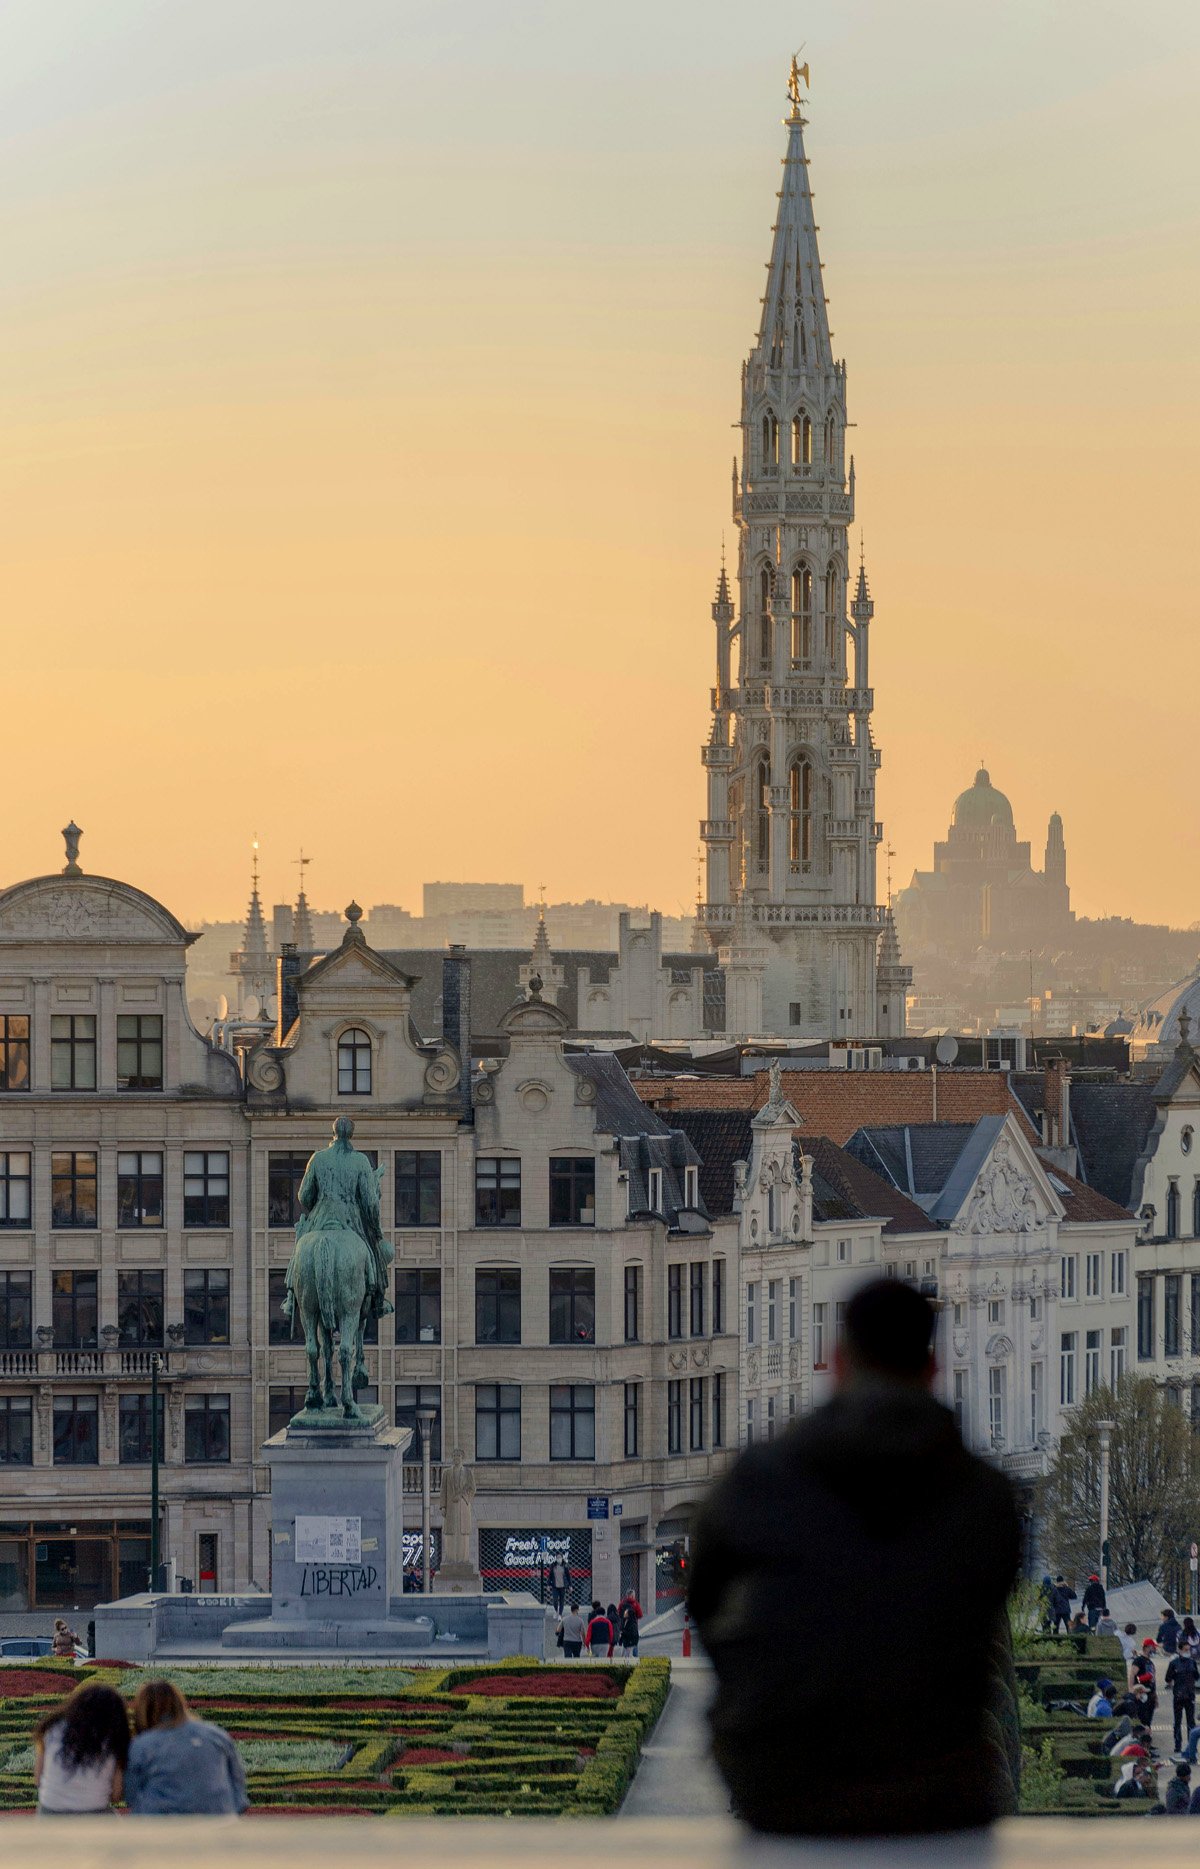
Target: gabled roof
[1182,1064]
[843,1189]
[1109,1127]
[619,1110]
[836,1103]
[353,949]
[720,1138]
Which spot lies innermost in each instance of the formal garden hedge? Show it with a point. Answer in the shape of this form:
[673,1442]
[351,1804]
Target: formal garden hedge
[513,1738]
[1066,1772]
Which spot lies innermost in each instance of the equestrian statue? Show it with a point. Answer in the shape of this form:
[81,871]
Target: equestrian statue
[338,1273]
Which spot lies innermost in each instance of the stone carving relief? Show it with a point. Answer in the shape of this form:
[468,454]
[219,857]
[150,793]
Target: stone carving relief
[264,1071]
[998,1346]
[753,1366]
[442,1074]
[677,1359]
[1003,1200]
[72,910]
[700,1356]
[960,1343]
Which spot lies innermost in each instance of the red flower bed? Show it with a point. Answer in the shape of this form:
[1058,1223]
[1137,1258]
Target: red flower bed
[429,1755]
[16,1682]
[549,1686]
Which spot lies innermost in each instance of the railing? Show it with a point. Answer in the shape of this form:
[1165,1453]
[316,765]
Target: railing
[716,828]
[18,1363]
[79,1362]
[41,1365]
[411,1479]
[790,915]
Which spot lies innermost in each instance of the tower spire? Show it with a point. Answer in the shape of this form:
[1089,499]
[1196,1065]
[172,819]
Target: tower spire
[302,928]
[794,328]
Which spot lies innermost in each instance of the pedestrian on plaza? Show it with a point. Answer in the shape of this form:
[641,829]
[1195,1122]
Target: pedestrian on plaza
[180,1766]
[1106,1625]
[1169,1631]
[79,1754]
[1045,1592]
[629,1600]
[600,1632]
[1061,1599]
[1099,1707]
[1178,1793]
[1182,1676]
[574,1629]
[629,1629]
[1189,1636]
[560,1583]
[64,1640]
[871,1498]
[1094,1601]
[1128,1641]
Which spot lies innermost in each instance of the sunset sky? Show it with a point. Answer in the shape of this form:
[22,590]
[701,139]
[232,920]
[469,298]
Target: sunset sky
[366,381]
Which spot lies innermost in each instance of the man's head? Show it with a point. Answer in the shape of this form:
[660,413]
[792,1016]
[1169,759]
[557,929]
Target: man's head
[1105,1685]
[888,1331]
[1184,1772]
[1131,1628]
[1060,1578]
[1168,1615]
[343,1129]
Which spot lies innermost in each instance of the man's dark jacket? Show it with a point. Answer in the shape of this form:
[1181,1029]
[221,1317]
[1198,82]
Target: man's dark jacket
[870,1513]
[1093,1596]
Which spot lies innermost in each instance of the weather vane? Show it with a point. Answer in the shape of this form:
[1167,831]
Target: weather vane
[797,72]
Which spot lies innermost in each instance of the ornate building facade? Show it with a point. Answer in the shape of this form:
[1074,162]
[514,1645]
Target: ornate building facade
[791,833]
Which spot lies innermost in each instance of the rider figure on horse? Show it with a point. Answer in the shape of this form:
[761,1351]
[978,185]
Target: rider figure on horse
[340,1189]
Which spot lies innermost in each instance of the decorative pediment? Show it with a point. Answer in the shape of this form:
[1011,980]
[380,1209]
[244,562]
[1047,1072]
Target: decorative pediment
[534,1018]
[353,962]
[84,908]
[1008,1196]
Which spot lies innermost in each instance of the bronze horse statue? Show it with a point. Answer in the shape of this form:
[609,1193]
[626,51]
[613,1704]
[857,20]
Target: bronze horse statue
[338,1274]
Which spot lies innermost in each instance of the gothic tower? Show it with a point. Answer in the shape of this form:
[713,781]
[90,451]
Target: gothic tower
[791,764]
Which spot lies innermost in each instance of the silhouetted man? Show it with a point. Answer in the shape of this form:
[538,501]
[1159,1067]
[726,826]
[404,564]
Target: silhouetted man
[872,1500]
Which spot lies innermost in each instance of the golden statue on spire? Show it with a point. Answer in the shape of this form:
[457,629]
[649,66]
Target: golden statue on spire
[797,72]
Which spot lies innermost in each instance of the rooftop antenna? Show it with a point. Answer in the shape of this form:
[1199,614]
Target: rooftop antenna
[303,862]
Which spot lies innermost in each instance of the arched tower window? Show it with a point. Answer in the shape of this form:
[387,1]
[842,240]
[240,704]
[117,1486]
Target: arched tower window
[354,1063]
[802,440]
[762,811]
[765,586]
[830,440]
[832,613]
[770,440]
[802,593]
[800,821]
[1173,1210]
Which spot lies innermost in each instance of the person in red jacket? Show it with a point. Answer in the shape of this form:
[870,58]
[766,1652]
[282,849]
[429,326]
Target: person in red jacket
[600,1631]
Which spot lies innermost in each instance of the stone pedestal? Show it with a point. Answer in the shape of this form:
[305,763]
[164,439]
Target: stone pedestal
[336,1526]
[459,1580]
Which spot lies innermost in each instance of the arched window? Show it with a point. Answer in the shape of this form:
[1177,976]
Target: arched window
[832,613]
[1173,1210]
[800,825]
[762,812]
[770,440]
[802,440]
[765,585]
[1196,1231]
[354,1063]
[830,441]
[802,613]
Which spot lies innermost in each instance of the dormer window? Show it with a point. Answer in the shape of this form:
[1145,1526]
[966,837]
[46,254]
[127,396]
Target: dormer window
[354,1063]
[654,1190]
[691,1186]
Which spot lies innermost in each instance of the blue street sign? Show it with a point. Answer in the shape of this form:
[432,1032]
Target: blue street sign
[597,1505]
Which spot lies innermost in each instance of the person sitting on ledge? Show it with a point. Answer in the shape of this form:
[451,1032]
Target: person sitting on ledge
[872,1499]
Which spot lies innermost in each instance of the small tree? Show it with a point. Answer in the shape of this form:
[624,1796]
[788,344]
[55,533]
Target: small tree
[1154,1484]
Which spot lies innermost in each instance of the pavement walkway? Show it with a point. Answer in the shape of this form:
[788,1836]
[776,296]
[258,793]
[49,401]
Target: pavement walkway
[676,1777]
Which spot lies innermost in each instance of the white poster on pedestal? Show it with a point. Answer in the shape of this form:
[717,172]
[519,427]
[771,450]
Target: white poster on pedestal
[328,1541]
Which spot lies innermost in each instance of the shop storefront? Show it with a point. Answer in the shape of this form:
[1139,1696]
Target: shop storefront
[64,1564]
[520,1558]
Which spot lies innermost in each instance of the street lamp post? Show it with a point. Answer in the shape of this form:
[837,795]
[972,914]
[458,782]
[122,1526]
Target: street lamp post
[425,1419]
[155,1367]
[1106,1429]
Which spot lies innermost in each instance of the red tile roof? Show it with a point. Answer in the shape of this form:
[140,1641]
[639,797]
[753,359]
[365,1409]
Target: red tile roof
[836,1103]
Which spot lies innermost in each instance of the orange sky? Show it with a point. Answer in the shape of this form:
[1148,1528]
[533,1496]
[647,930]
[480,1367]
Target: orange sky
[366,381]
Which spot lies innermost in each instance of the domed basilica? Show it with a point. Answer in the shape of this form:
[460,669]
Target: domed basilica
[983,887]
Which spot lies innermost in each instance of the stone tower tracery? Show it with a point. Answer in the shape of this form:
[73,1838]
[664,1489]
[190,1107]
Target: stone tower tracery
[791,764]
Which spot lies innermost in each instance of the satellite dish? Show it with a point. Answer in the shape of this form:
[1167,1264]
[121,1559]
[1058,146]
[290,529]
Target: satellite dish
[946,1049]
[222,1006]
[252,1006]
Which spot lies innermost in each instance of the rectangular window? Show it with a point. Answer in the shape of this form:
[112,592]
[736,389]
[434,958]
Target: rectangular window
[674,1417]
[1092,1276]
[16,1310]
[1172,1320]
[411,1398]
[73,1051]
[1066,1369]
[770,1417]
[205,1429]
[1117,1354]
[418,1187]
[206,1305]
[818,1336]
[696,1415]
[718,1410]
[73,1310]
[793,1300]
[674,1301]
[750,1414]
[633,1302]
[844,1248]
[279,1326]
[1091,1361]
[16,1188]
[691,1186]
[498,1304]
[419,1305]
[497,1191]
[572,1421]
[995,1310]
[772,1309]
[696,1284]
[572,1190]
[1068,1270]
[654,1190]
[206,1188]
[960,1400]
[718,1297]
[76,1430]
[839,1319]
[139,1188]
[751,1310]
[996,1398]
[140,1309]
[134,1430]
[16,1430]
[282,1403]
[14,1051]
[1117,1263]
[285,1172]
[1145,1319]
[1037,1399]
[497,1421]
[73,1188]
[139,1051]
[633,1420]
[1195,1315]
[1035,1310]
[572,1304]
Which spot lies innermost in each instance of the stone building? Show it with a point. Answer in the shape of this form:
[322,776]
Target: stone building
[791,831]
